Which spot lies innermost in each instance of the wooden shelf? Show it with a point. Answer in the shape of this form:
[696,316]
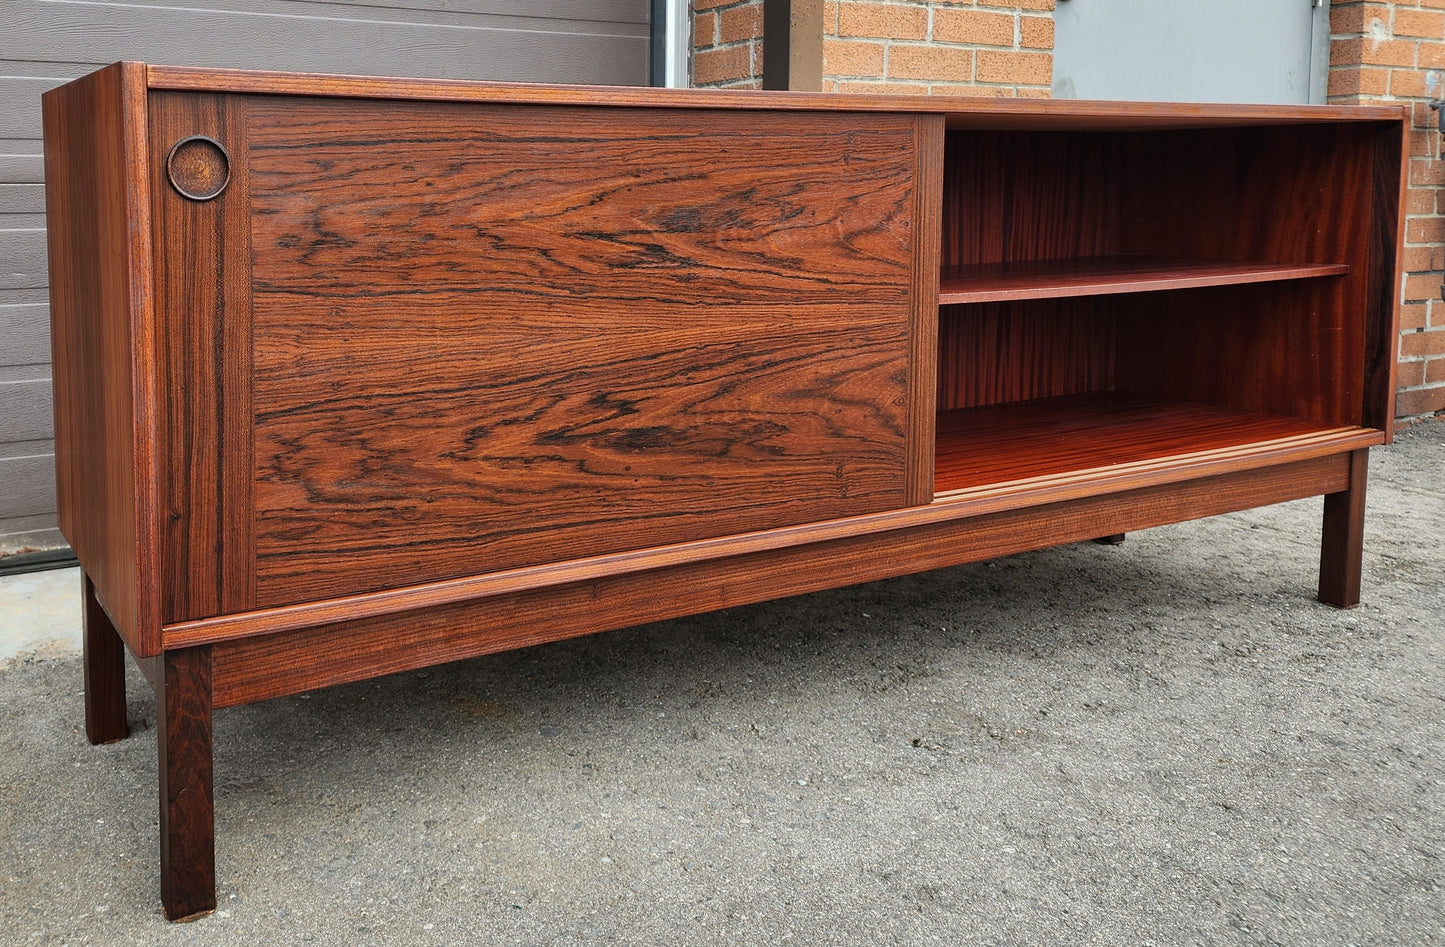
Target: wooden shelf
[1031,443]
[1097,276]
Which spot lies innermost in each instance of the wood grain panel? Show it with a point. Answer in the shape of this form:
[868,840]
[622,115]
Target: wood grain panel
[102,341]
[1030,196]
[980,501]
[1023,440]
[1109,275]
[971,114]
[1292,195]
[257,668]
[203,303]
[487,337]
[998,352]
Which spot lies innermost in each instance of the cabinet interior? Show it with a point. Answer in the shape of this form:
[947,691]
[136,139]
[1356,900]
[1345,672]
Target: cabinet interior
[1114,297]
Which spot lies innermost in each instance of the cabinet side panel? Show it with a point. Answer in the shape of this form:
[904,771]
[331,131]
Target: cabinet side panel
[203,302]
[494,336]
[100,340]
[1382,323]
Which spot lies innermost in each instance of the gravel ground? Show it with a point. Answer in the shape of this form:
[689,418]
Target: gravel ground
[1164,742]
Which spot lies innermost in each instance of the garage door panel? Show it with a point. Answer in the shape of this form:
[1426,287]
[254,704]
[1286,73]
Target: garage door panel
[21,162]
[349,39]
[25,406]
[29,484]
[22,198]
[22,260]
[24,334]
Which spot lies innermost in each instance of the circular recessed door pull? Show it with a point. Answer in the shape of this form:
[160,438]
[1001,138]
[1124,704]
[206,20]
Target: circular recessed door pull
[199,168]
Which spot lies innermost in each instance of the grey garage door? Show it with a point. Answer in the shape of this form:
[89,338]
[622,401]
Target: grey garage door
[46,42]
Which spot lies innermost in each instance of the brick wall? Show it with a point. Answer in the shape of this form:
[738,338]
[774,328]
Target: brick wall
[1396,52]
[967,47]
[993,48]
[727,43]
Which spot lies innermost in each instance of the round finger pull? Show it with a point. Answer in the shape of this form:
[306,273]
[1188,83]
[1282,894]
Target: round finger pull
[199,167]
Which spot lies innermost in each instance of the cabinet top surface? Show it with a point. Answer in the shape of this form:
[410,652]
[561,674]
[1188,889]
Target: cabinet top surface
[961,113]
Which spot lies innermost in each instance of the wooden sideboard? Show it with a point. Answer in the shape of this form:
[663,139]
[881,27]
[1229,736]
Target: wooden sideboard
[360,375]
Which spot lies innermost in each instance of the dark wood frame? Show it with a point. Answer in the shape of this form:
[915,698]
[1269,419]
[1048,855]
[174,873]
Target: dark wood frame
[1007,431]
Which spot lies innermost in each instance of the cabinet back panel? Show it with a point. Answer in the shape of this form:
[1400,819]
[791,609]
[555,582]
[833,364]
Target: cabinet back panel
[492,336]
[1010,196]
[1297,194]
[994,353]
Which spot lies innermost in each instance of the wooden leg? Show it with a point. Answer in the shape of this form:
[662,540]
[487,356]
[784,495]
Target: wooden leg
[104,662]
[188,831]
[1343,543]
[1113,540]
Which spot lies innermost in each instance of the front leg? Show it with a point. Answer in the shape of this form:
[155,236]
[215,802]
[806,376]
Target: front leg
[1342,545]
[188,830]
[103,659]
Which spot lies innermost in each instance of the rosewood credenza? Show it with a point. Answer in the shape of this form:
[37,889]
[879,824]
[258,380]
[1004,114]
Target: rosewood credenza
[359,375]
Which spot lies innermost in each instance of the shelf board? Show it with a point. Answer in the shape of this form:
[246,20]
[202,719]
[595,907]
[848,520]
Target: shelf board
[1034,444]
[1097,276]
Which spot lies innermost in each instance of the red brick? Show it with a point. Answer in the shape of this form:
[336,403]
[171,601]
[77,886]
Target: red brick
[938,63]
[974,27]
[710,4]
[882,20]
[721,65]
[1015,68]
[1407,83]
[740,23]
[1420,259]
[852,58]
[1356,81]
[900,88]
[1019,4]
[1412,316]
[1034,93]
[975,91]
[1420,401]
[1434,372]
[1427,172]
[1425,286]
[1419,200]
[704,28]
[1036,32]
[1430,55]
[1418,344]
[1411,374]
[1357,17]
[1350,52]
[1422,23]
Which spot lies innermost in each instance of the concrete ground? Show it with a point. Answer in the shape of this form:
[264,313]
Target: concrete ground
[1165,742]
